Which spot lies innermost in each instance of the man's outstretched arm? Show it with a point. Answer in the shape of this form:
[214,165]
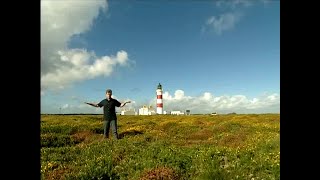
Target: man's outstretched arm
[92,104]
[123,104]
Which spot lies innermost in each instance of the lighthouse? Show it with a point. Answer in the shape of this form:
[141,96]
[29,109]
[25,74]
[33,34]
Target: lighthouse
[159,100]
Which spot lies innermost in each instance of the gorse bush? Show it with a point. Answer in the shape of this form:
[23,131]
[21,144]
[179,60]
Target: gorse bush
[162,147]
[57,140]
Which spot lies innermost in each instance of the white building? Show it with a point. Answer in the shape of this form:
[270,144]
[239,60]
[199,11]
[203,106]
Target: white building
[146,110]
[177,113]
[128,112]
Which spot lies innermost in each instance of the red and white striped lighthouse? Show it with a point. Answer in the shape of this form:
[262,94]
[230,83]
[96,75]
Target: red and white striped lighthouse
[159,100]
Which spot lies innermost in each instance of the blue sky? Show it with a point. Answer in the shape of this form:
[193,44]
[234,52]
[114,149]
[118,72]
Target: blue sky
[209,56]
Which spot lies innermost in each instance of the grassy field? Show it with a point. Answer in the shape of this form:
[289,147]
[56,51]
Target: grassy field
[195,147]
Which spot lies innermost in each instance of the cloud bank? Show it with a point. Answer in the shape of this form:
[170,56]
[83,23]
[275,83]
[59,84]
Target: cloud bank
[203,104]
[208,103]
[60,65]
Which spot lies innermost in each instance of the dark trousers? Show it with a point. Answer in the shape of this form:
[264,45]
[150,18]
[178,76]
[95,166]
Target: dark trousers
[106,127]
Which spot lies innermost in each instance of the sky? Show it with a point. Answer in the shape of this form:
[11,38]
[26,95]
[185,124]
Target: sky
[209,56]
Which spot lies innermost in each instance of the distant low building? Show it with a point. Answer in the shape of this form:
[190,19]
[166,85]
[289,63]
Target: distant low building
[214,113]
[187,112]
[125,111]
[166,112]
[177,113]
[130,112]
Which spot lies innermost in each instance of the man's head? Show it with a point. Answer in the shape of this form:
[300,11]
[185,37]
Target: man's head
[108,93]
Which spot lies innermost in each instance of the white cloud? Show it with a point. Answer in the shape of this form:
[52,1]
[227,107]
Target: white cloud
[206,96]
[81,65]
[222,23]
[268,2]
[179,94]
[61,66]
[122,57]
[207,103]
[227,21]
[234,3]
[65,106]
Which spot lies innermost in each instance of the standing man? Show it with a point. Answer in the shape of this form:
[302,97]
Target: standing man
[109,112]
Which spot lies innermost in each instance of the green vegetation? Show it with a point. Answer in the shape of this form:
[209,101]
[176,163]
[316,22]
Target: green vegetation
[195,147]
